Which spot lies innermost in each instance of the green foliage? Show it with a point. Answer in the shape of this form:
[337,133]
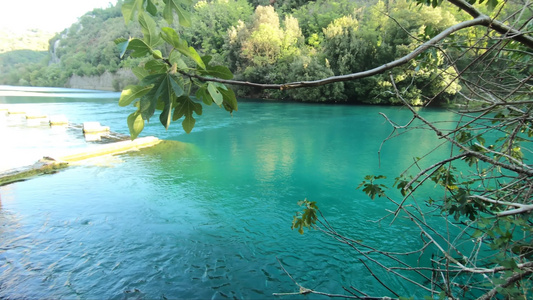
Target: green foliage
[372,189]
[211,20]
[15,64]
[165,80]
[307,218]
[309,68]
[317,15]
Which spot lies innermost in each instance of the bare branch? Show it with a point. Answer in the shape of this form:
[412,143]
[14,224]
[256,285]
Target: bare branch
[520,208]
[305,291]
[495,24]
[509,281]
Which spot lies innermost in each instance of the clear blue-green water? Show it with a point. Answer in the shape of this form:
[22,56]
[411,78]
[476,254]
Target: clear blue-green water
[206,217]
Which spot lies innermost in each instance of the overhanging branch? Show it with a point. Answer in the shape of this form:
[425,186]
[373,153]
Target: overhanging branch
[498,26]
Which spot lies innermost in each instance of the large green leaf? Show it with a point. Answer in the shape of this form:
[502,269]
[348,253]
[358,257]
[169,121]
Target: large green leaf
[151,8]
[186,107]
[139,47]
[203,94]
[140,72]
[176,87]
[230,101]
[122,45]
[176,59]
[218,71]
[156,66]
[166,115]
[172,37]
[149,30]
[147,105]
[135,124]
[184,17]
[165,89]
[215,93]
[132,92]
[129,7]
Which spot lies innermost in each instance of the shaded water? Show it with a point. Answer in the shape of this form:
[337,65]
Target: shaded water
[206,217]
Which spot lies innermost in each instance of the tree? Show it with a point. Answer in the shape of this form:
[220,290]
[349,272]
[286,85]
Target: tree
[477,238]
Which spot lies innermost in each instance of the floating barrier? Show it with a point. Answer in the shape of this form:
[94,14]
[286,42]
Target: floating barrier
[36,116]
[13,112]
[94,127]
[58,120]
[114,143]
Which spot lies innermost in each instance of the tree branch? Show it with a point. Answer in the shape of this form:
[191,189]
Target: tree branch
[520,208]
[510,281]
[495,24]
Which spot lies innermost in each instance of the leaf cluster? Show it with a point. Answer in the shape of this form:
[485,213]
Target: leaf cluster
[307,218]
[166,81]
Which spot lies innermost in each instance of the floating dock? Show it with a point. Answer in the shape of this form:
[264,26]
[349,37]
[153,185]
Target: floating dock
[114,143]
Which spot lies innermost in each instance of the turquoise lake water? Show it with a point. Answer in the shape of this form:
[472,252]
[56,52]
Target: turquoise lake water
[207,216]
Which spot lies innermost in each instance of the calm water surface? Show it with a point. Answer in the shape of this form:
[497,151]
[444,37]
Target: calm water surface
[206,217]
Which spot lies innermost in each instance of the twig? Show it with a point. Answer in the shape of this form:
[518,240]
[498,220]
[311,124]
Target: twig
[521,208]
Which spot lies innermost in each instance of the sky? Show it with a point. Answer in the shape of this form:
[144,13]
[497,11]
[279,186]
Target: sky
[47,15]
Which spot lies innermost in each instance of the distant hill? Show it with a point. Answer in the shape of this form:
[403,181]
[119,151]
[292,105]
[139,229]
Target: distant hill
[31,39]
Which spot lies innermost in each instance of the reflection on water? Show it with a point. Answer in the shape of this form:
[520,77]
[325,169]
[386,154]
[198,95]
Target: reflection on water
[206,217]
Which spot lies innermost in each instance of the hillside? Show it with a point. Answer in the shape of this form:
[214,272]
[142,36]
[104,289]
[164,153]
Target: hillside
[32,39]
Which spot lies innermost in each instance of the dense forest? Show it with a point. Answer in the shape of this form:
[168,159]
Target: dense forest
[282,41]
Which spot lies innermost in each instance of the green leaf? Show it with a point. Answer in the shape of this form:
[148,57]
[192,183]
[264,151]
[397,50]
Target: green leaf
[186,107]
[206,59]
[151,8]
[162,95]
[135,124]
[129,7]
[188,123]
[215,93]
[178,90]
[220,72]
[156,66]
[171,37]
[132,92]
[166,116]
[122,45]
[307,218]
[230,101]
[147,106]
[492,4]
[203,95]
[140,72]
[139,47]
[149,30]
[184,17]
[175,59]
